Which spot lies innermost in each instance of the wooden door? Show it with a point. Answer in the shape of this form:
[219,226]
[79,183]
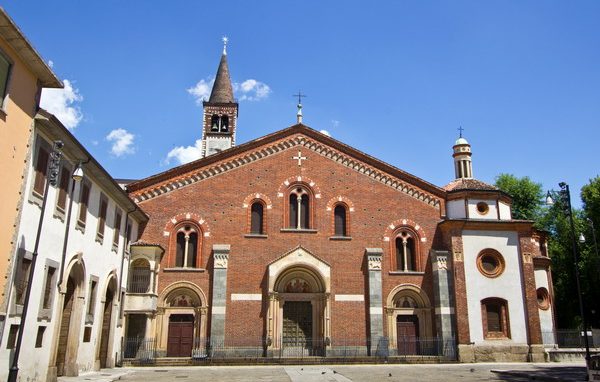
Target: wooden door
[407,329]
[181,335]
[63,336]
[105,336]
[297,325]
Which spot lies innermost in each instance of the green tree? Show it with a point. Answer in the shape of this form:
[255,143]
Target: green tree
[590,258]
[527,196]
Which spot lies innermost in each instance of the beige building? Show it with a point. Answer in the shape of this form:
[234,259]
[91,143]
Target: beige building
[23,73]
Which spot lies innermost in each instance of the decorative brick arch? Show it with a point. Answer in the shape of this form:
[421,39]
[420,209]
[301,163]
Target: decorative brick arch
[299,179]
[391,229]
[340,199]
[187,216]
[250,198]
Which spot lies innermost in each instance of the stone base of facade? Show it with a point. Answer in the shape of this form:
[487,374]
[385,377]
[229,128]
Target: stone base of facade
[500,353]
[51,375]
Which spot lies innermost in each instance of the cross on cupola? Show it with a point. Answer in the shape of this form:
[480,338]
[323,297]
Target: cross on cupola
[460,131]
[300,158]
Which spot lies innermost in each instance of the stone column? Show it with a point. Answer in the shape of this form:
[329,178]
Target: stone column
[219,294]
[378,343]
[443,288]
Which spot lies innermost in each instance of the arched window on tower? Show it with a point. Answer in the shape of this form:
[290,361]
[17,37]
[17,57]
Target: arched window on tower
[186,250]
[257,218]
[214,123]
[406,254]
[299,208]
[339,220]
[224,123]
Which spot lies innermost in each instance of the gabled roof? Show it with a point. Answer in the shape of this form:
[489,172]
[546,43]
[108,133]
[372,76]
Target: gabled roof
[296,135]
[222,91]
[10,32]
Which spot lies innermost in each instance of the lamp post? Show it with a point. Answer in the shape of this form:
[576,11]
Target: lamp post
[53,170]
[564,201]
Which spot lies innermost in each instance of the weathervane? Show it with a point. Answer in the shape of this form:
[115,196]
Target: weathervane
[225,40]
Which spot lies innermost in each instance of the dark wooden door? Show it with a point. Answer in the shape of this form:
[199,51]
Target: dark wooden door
[407,329]
[63,336]
[297,324]
[181,335]
[105,336]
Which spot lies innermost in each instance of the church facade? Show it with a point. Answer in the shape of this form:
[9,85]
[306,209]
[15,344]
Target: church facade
[299,245]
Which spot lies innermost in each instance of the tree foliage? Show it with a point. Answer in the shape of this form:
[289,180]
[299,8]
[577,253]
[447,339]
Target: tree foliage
[527,196]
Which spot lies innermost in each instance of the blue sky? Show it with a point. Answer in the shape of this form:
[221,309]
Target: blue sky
[394,79]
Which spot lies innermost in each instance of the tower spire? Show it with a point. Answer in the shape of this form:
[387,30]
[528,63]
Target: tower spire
[222,91]
[225,41]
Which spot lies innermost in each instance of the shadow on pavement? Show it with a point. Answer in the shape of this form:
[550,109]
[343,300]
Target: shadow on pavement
[563,373]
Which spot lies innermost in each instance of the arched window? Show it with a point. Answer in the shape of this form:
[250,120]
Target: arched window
[139,277]
[257,218]
[186,250]
[406,252]
[339,220]
[214,123]
[299,208]
[494,315]
[224,123]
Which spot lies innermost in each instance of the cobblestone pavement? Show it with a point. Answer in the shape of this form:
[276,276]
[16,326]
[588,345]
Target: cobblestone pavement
[345,373]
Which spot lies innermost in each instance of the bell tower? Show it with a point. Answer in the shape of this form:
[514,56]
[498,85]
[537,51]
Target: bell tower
[220,112]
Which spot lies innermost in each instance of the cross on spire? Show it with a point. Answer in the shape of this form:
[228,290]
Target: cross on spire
[460,130]
[300,96]
[225,41]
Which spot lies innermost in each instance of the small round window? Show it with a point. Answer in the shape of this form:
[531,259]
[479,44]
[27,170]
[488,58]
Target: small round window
[483,208]
[543,298]
[490,263]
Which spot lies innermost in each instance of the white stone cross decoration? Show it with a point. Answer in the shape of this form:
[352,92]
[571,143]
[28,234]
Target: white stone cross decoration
[300,158]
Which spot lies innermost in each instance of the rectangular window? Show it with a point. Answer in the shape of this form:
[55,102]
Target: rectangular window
[117,229]
[48,288]
[87,334]
[102,217]
[22,280]
[12,336]
[495,318]
[128,236]
[4,74]
[92,300]
[41,171]
[84,198]
[63,190]
[39,339]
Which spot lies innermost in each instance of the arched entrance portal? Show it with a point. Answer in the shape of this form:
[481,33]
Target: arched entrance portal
[182,321]
[106,330]
[409,321]
[70,320]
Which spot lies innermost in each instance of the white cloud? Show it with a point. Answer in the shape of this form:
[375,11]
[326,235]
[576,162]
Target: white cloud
[335,122]
[201,91]
[325,132]
[252,90]
[51,64]
[63,103]
[185,154]
[122,142]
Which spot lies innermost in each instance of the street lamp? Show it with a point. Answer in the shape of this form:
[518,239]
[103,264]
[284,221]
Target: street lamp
[563,197]
[53,170]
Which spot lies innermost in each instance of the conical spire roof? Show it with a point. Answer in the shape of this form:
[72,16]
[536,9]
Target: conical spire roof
[222,92]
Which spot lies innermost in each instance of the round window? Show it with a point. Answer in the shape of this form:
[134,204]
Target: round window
[543,298]
[490,263]
[482,208]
